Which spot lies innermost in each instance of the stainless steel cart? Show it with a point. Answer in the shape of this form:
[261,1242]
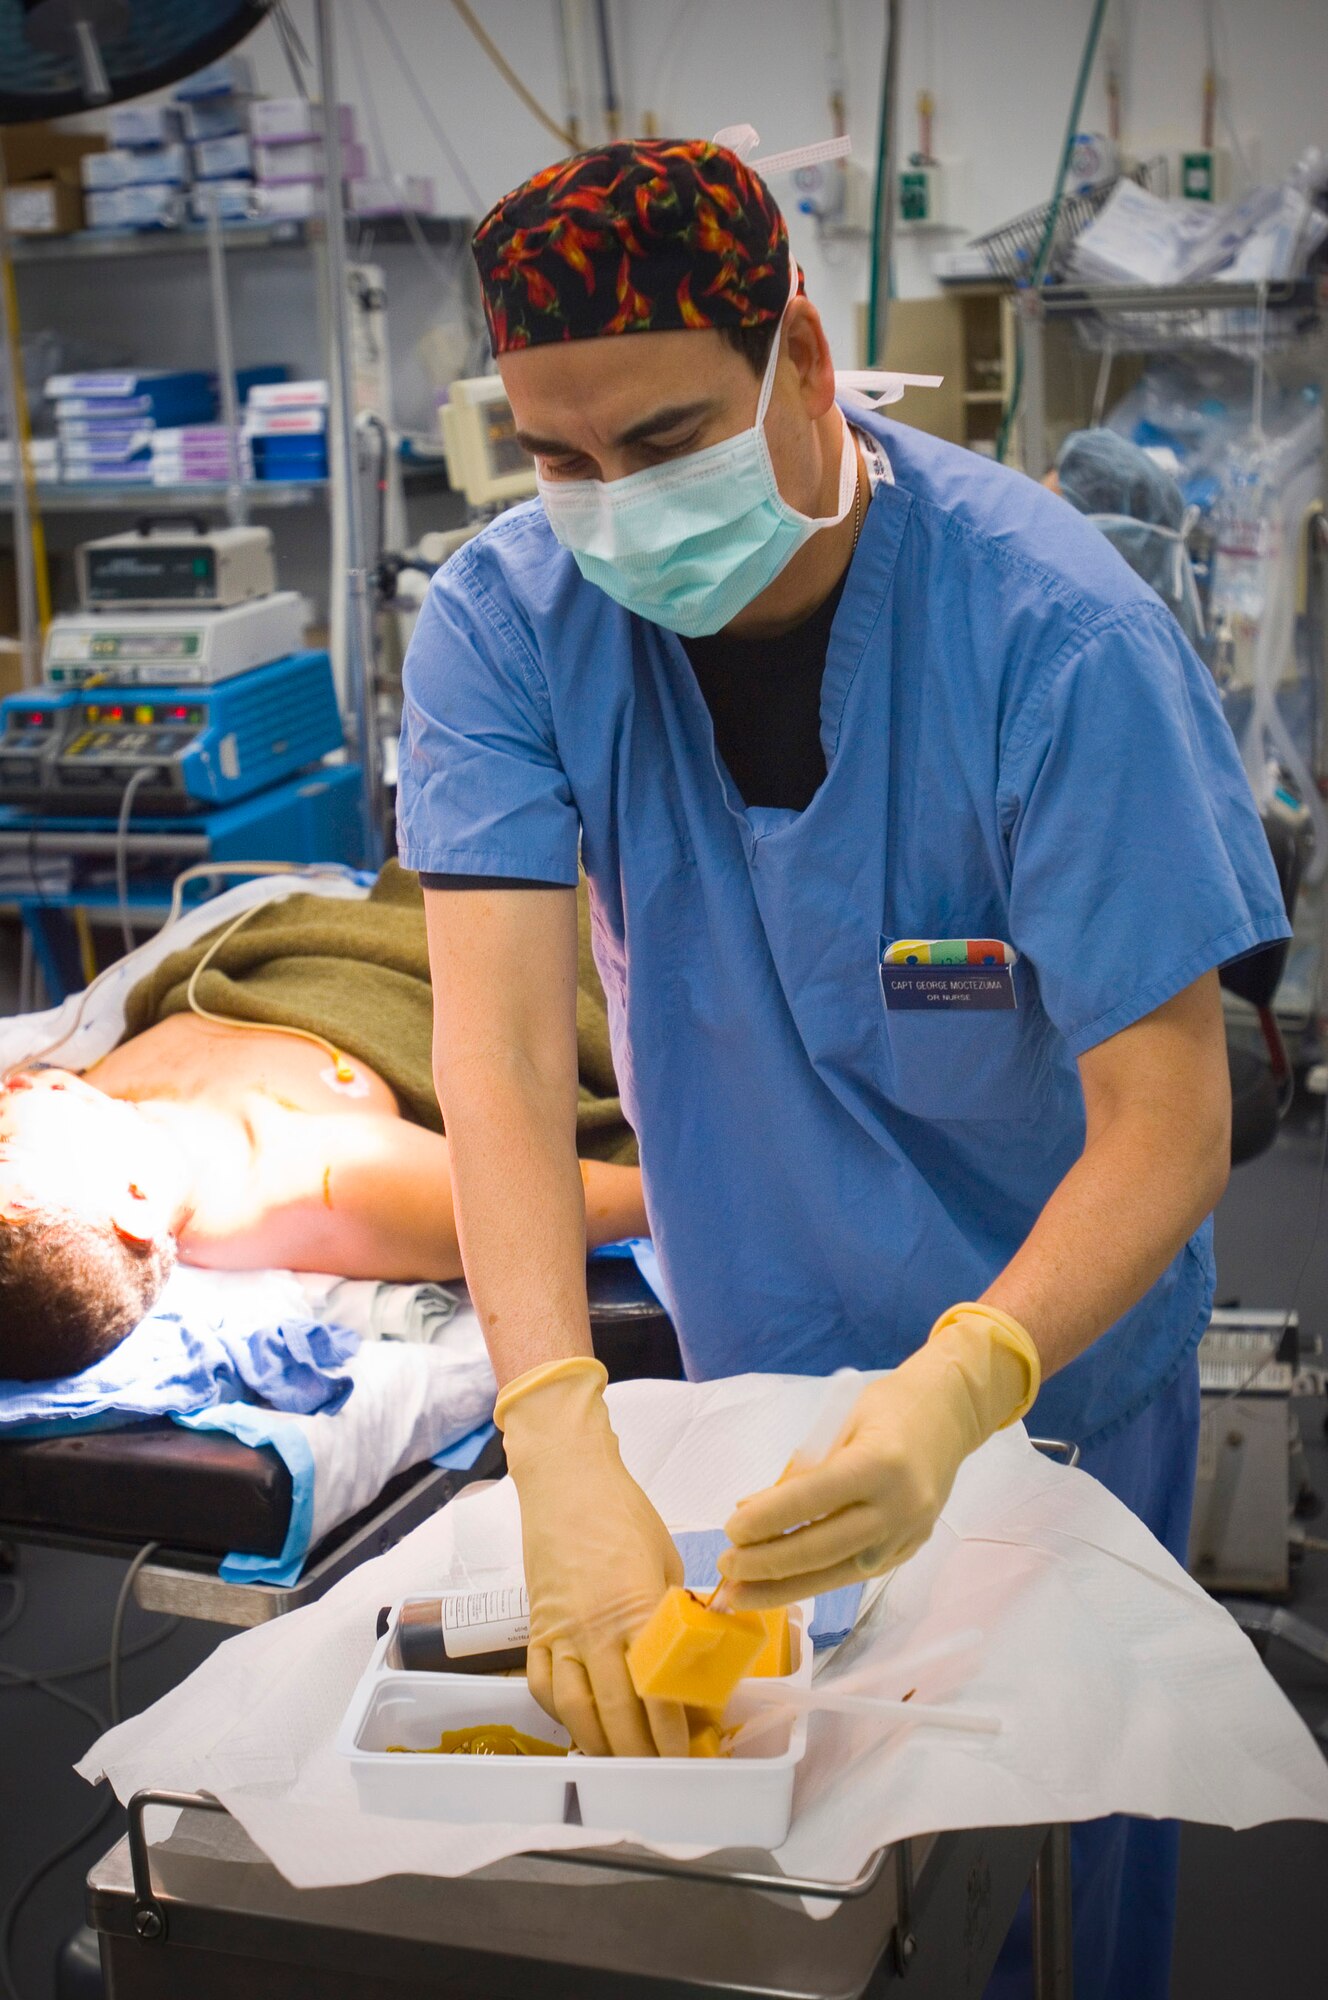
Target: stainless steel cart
[204,1915]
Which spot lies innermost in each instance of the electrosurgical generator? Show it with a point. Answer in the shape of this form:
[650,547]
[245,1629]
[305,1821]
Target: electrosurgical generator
[74,750]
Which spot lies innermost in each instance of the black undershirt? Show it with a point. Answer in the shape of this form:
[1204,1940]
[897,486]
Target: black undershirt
[764,698]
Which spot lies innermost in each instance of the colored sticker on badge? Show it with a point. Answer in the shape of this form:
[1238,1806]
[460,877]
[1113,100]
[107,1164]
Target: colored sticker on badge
[948,951]
[953,984]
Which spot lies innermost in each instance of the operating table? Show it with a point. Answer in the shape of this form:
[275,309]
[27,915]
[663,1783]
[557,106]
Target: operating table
[198,1495]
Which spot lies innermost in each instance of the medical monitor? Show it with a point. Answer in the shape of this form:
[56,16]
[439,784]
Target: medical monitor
[484,460]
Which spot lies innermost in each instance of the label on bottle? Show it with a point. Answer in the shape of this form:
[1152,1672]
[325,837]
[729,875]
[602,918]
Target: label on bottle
[485,1621]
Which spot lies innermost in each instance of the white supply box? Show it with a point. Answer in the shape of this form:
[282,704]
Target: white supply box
[303,161]
[293,201]
[282,118]
[379,196]
[232,74]
[156,166]
[234,200]
[736,1801]
[100,172]
[214,117]
[143,124]
[284,423]
[43,453]
[309,395]
[222,159]
[136,208]
[118,167]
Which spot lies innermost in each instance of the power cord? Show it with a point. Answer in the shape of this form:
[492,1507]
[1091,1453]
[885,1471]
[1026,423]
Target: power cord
[510,77]
[32,1880]
[195,873]
[19,1676]
[15,1611]
[1047,244]
[443,276]
[117,1627]
[137,779]
[41,1677]
[292,47]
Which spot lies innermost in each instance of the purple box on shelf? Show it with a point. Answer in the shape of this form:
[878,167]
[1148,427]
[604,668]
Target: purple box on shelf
[133,472]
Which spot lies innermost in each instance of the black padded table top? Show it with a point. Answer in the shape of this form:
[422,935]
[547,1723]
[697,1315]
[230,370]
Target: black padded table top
[198,1490]
[202,1493]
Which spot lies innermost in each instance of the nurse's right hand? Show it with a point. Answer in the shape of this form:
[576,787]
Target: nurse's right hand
[598,1559]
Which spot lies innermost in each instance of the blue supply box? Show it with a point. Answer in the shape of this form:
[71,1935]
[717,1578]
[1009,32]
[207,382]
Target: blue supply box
[290,457]
[70,752]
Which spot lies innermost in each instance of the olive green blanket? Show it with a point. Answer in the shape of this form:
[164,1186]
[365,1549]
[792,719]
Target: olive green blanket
[357,973]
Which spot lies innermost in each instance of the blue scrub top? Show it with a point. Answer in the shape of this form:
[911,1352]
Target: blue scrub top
[1020,745]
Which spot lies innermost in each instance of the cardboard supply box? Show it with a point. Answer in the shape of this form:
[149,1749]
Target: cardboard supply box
[11,667]
[8,593]
[42,196]
[37,151]
[44,208]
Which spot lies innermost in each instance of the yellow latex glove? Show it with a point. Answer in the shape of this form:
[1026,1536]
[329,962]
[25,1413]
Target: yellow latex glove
[873,1500]
[598,1560]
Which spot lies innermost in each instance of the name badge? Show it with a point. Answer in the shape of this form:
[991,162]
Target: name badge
[952,975]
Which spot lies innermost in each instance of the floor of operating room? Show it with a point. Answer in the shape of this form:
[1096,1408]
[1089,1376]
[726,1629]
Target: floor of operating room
[1251,1904]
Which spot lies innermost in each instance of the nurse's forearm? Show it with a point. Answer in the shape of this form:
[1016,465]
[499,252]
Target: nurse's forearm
[1154,1164]
[504,971]
[521,1217]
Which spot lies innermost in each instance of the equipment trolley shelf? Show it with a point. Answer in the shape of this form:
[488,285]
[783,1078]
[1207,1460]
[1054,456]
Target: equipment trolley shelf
[205,1913]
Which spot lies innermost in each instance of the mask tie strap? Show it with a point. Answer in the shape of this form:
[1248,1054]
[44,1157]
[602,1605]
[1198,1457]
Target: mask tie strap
[872,388]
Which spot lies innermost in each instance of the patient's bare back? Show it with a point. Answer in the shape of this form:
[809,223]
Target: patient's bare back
[194,1061]
[292,1164]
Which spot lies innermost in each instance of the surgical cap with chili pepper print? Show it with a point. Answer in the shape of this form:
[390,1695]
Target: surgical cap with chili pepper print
[643,236]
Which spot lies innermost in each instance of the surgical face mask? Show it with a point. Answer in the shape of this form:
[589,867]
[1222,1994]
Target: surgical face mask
[690,544]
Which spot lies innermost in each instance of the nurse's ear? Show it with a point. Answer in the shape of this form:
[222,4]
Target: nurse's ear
[807,364]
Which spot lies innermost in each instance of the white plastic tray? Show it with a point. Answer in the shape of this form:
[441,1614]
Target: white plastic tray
[737,1801]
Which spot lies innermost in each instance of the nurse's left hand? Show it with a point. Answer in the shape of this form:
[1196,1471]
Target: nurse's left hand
[874,1499]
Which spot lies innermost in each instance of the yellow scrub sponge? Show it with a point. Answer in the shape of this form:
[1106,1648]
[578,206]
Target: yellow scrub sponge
[686,1652]
[776,1656]
[705,1739]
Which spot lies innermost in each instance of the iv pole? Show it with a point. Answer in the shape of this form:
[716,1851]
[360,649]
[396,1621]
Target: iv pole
[360,677]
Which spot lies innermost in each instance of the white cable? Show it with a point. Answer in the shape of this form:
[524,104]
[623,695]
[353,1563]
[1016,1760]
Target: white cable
[1223,95]
[195,873]
[426,110]
[288,36]
[383,161]
[566,33]
[136,779]
[117,1627]
[673,45]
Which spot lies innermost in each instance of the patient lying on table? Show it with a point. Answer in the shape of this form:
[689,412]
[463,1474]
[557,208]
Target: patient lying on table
[215,1134]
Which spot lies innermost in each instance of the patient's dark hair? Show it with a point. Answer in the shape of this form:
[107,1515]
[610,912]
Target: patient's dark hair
[70,1290]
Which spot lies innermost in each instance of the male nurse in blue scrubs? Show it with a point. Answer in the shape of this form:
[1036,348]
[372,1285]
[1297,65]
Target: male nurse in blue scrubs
[915,837]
